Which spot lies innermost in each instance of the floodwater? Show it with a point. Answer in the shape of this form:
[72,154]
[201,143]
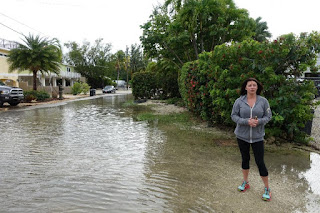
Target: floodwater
[93,156]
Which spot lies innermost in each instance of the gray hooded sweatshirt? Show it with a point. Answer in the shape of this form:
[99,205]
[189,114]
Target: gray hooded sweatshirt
[241,112]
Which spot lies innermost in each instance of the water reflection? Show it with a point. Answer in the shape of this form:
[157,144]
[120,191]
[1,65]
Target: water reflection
[312,176]
[91,156]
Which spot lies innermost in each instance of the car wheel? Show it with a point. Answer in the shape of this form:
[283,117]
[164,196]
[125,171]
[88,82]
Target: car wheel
[1,103]
[15,103]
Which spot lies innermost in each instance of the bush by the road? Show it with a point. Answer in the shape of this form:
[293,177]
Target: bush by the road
[210,85]
[79,87]
[35,95]
[144,85]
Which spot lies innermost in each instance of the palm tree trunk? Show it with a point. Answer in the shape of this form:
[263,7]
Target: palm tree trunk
[195,45]
[118,77]
[127,80]
[34,80]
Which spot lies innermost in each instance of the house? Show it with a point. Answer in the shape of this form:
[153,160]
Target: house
[48,81]
[10,79]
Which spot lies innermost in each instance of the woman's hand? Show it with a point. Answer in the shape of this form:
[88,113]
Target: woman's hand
[253,122]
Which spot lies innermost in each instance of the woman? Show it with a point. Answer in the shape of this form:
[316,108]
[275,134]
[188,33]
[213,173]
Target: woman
[251,112]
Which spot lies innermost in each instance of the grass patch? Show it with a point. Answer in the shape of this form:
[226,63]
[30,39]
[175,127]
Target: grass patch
[175,101]
[181,118]
[129,104]
[187,126]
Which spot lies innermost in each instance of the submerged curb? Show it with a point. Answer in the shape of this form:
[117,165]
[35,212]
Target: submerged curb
[66,98]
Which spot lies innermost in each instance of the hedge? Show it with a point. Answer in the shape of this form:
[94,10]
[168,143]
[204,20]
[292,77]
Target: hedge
[210,85]
[30,95]
[144,85]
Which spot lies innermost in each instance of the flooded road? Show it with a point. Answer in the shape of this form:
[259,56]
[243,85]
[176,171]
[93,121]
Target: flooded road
[92,156]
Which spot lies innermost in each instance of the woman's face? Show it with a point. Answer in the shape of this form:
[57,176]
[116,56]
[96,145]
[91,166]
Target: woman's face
[251,87]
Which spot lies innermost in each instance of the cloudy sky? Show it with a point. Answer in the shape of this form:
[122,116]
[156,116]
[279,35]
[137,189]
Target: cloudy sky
[118,21]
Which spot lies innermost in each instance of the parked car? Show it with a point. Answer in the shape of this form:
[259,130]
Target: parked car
[109,89]
[11,95]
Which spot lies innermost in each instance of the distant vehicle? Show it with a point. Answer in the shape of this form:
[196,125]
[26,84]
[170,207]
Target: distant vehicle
[109,89]
[11,95]
[120,83]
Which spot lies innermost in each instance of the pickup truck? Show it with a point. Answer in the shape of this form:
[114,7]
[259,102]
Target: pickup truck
[11,95]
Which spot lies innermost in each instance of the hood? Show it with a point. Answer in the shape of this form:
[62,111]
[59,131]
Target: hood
[5,87]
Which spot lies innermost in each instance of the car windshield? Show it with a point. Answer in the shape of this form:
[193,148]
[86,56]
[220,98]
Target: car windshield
[108,87]
[2,84]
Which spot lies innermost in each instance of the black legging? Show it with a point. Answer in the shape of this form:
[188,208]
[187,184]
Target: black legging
[258,151]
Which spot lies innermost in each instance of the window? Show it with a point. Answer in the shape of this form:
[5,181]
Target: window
[68,69]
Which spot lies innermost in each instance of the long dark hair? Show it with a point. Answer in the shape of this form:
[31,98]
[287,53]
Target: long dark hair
[243,90]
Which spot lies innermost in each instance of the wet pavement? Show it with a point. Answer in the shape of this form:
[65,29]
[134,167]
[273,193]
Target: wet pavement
[91,155]
[315,132]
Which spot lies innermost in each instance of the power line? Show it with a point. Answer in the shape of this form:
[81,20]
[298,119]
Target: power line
[11,29]
[20,22]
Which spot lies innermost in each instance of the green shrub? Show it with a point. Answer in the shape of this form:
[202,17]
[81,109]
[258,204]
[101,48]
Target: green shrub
[42,95]
[166,74]
[80,87]
[29,97]
[35,95]
[85,88]
[210,85]
[143,85]
[76,88]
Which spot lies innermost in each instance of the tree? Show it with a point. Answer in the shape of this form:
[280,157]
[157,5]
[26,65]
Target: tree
[129,62]
[127,65]
[37,55]
[93,62]
[191,28]
[137,60]
[262,32]
[119,59]
[198,26]
[176,4]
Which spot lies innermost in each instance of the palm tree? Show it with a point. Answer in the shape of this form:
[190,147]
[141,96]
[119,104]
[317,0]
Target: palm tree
[262,32]
[119,62]
[176,4]
[127,65]
[36,55]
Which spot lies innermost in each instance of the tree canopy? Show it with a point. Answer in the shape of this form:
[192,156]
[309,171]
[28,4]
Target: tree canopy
[37,55]
[91,61]
[193,27]
[261,31]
